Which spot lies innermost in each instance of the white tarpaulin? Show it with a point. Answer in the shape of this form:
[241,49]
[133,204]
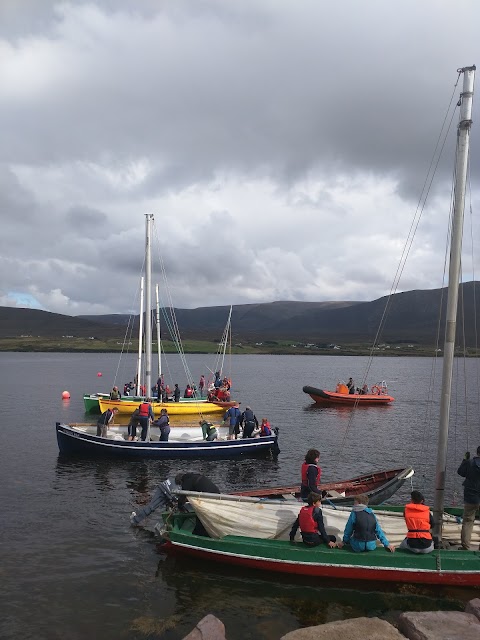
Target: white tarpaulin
[223,516]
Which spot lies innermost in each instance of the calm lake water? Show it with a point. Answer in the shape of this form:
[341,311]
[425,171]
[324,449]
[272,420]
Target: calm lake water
[73,567]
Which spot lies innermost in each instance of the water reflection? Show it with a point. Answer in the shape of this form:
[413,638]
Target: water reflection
[282,603]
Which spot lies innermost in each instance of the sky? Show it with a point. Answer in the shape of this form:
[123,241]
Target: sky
[281,146]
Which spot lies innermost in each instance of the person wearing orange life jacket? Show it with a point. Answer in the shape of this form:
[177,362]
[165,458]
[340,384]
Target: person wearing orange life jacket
[312,527]
[145,415]
[311,474]
[265,428]
[419,521]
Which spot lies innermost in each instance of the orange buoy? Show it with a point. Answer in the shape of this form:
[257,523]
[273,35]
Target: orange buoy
[66,395]
[99,374]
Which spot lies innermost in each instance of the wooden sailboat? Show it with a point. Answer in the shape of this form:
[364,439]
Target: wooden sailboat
[82,439]
[448,566]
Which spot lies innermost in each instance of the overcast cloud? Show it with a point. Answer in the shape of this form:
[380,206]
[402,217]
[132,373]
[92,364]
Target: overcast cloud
[281,145]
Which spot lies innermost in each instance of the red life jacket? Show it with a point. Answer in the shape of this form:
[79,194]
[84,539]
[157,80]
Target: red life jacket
[265,429]
[143,410]
[305,466]
[306,521]
[417,518]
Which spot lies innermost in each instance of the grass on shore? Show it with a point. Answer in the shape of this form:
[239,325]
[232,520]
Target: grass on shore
[286,347]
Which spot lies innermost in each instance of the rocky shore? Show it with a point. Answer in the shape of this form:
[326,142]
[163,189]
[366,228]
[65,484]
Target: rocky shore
[428,625]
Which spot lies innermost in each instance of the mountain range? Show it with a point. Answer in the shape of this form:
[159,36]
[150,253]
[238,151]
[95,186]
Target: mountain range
[411,316]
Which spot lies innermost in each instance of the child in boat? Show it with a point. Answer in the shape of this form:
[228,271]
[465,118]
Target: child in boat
[419,521]
[362,528]
[312,527]
[311,474]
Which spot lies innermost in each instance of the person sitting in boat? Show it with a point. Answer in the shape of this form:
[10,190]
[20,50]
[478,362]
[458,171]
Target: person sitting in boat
[133,423]
[312,527]
[115,394]
[249,422]
[176,393]
[188,392]
[362,528]
[145,416]
[212,395]
[364,390]
[105,420]
[231,416]
[209,431]
[265,428]
[163,423]
[419,521]
[351,385]
[311,474]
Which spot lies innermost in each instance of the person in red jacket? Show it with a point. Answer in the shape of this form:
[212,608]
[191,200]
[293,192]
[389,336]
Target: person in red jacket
[312,527]
[419,521]
[311,474]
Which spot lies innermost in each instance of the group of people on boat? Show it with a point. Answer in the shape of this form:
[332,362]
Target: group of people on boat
[245,422]
[351,388]
[362,529]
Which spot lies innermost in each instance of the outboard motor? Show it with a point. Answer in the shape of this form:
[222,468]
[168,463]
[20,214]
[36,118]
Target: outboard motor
[162,498]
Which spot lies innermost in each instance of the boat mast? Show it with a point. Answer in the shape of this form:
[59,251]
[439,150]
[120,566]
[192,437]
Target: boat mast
[159,346]
[225,338]
[140,341]
[461,166]
[148,305]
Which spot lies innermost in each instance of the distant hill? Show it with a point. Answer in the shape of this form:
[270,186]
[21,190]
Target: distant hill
[412,317]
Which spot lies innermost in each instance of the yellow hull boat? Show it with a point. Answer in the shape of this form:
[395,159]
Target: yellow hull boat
[127,407]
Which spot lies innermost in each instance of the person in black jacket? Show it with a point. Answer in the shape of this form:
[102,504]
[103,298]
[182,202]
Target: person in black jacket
[470,470]
[195,482]
[248,420]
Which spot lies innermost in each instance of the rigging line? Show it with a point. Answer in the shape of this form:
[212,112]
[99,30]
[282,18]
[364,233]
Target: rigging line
[406,249]
[428,421]
[174,323]
[476,363]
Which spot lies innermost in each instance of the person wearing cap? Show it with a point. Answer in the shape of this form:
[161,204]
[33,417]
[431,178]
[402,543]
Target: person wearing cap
[232,415]
[249,422]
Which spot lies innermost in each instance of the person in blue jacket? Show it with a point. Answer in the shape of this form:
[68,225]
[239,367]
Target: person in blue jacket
[362,528]
[232,415]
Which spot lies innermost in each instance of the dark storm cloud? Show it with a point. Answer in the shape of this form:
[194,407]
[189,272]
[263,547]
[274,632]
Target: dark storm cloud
[252,129]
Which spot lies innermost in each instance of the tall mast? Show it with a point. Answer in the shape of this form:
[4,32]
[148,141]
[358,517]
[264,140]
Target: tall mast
[461,166]
[159,346]
[148,305]
[140,340]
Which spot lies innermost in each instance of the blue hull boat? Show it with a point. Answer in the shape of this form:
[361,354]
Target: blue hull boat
[74,440]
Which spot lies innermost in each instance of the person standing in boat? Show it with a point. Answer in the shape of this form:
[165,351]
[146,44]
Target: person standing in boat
[163,423]
[176,393]
[312,527]
[362,528]
[470,470]
[105,420]
[311,474]
[351,385]
[145,416]
[249,422]
[231,416]
[419,521]
[132,425]
[201,385]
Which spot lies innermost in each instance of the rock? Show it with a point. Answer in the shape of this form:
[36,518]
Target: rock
[439,625]
[354,629]
[473,607]
[209,628]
